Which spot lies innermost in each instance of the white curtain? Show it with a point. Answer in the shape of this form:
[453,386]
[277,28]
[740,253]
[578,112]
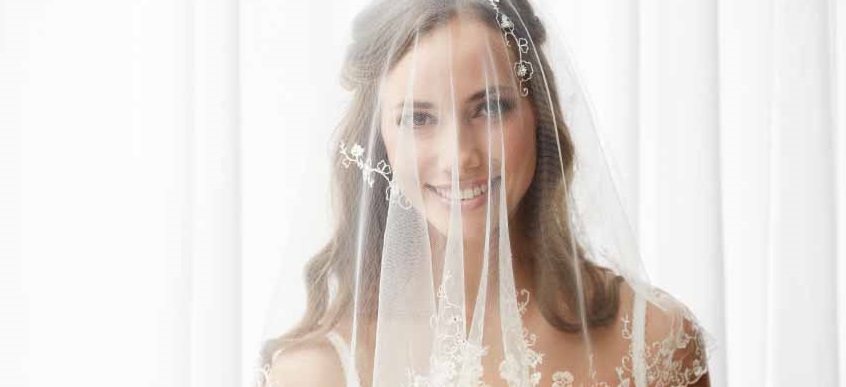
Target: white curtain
[145,148]
[726,119]
[120,262]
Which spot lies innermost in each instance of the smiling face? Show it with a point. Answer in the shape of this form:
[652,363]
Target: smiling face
[452,117]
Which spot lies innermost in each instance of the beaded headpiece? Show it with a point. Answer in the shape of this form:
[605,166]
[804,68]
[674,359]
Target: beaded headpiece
[522,68]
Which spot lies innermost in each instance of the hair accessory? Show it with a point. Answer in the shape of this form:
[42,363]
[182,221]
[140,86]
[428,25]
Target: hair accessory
[356,155]
[522,68]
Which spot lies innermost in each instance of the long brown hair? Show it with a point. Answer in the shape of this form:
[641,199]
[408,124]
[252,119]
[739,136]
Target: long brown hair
[382,34]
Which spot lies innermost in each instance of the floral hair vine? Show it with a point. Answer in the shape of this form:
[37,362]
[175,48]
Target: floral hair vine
[355,155]
[522,68]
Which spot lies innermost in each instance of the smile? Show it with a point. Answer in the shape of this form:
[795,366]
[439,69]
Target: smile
[470,197]
[464,194]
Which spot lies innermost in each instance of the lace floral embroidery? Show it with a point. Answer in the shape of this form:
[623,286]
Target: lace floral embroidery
[663,367]
[263,377]
[455,361]
[454,353]
[510,369]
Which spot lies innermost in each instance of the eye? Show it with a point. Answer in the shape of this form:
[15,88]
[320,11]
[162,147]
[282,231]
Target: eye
[494,108]
[416,119]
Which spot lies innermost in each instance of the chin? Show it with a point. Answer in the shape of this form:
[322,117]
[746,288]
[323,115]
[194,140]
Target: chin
[473,224]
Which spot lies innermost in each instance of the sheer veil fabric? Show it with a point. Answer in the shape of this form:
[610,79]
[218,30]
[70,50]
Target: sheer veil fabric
[478,238]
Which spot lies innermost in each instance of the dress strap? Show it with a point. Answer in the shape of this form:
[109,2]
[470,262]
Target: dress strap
[639,341]
[350,375]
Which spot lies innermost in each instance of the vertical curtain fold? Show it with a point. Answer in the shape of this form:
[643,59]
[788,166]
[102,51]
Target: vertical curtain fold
[125,119]
[682,221]
[215,194]
[838,29]
[746,63]
[14,328]
[802,267]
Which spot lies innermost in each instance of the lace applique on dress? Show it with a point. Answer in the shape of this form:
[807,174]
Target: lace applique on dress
[664,366]
[458,362]
[566,379]
[455,361]
[263,377]
[510,369]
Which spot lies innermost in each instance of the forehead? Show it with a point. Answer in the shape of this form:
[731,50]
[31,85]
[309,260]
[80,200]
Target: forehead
[462,55]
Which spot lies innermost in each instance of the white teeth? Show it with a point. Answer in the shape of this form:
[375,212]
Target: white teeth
[465,194]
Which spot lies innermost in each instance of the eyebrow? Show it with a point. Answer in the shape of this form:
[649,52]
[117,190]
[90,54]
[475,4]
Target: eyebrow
[493,90]
[415,104]
[479,95]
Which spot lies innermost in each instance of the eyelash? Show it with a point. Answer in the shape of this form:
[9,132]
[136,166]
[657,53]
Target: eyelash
[415,118]
[504,106]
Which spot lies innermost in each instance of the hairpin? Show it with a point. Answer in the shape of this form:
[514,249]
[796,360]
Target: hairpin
[522,68]
[355,155]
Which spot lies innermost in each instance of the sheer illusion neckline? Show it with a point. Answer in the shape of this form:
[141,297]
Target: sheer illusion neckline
[647,362]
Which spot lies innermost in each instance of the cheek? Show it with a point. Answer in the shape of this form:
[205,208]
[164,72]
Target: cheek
[409,154]
[389,139]
[395,147]
[407,167]
[521,157]
[520,150]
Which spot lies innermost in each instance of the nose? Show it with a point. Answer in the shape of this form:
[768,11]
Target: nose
[465,143]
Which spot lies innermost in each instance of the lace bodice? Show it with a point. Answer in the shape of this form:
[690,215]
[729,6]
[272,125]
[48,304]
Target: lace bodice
[668,351]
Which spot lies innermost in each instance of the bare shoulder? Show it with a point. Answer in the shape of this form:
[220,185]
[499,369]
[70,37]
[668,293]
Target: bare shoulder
[314,364]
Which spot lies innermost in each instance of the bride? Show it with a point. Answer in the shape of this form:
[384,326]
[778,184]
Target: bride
[478,239]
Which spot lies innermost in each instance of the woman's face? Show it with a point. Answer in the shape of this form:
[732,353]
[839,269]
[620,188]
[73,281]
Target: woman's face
[443,105]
